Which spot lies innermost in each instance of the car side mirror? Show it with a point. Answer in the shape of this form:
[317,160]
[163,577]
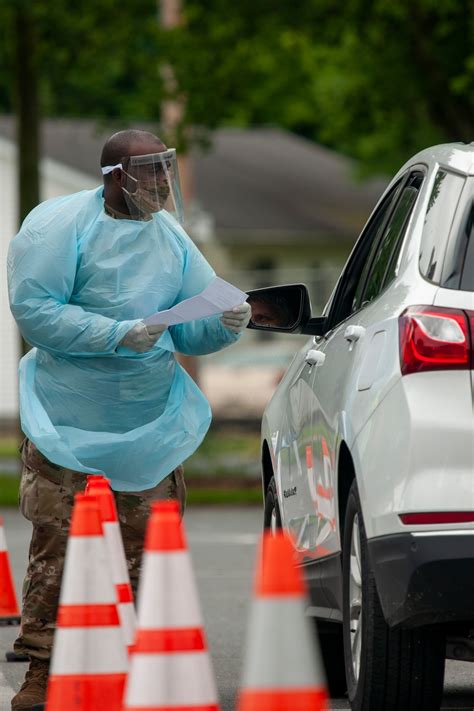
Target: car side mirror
[283,309]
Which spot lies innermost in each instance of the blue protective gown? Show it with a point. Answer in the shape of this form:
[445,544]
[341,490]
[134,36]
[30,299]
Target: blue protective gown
[78,281]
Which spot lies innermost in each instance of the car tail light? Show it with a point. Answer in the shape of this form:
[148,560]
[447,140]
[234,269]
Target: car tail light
[435,338]
[435,517]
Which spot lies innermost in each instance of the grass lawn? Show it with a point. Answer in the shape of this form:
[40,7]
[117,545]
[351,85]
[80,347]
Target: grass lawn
[224,470]
[196,495]
[9,447]
[218,443]
[222,442]
[9,490]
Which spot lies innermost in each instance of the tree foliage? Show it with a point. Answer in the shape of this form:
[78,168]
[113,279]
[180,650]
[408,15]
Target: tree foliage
[377,80]
[97,58]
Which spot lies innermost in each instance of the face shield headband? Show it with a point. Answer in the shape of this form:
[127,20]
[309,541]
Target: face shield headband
[150,183]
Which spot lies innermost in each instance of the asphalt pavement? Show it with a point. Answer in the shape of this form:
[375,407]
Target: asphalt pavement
[223,545]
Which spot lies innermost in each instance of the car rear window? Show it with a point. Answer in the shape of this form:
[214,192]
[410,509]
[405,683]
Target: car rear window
[439,217]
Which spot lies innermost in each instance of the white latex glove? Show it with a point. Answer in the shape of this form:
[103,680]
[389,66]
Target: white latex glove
[237,319]
[142,338]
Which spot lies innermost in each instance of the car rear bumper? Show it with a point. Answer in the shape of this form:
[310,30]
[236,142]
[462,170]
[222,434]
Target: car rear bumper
[424,578]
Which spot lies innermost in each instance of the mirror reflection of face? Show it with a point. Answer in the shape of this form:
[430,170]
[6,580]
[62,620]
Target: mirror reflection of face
[267,314]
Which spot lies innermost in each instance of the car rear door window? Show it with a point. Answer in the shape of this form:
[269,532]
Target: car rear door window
[389,246]
[354,271]
[382,263]
[368,262]
[442,206]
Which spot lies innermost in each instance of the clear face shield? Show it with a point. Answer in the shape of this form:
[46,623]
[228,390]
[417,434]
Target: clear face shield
[150,183]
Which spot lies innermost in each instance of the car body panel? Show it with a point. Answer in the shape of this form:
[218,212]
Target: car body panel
[427,461]
[294,484]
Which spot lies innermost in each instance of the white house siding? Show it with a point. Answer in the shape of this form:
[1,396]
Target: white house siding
[9,346]
[56,179]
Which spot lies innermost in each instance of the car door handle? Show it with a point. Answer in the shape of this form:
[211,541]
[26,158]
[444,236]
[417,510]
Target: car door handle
[315,357]
[353,333]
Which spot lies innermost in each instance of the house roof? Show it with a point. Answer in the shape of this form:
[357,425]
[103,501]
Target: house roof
[269,179]
[263,180]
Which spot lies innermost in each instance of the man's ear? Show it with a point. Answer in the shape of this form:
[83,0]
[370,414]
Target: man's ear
[117,176]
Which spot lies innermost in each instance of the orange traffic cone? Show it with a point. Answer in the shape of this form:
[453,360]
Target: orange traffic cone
[170,666]
[9,612]
[283,670]
[98,486]
[89,661]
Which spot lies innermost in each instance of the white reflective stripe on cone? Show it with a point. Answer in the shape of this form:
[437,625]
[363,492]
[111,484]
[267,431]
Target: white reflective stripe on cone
[282,651]
[168,604]
[118,564]
[78,588]
[89,650]
[178,679]
[128,621]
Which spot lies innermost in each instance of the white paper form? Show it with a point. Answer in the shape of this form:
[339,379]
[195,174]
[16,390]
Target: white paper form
[219,296]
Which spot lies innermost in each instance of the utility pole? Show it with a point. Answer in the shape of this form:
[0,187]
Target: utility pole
[26,80]
[28,111]
[26,92]
[172,111]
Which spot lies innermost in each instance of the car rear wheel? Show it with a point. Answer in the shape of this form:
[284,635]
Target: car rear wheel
[271,511]
[386,668]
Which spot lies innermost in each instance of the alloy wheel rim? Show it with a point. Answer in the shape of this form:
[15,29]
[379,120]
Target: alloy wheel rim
[355,598]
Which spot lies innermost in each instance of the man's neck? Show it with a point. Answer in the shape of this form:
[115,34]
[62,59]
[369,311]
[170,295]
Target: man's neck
[116,214]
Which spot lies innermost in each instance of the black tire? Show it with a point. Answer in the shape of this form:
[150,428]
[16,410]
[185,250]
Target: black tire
[400,670]
[272,507]
[332,651]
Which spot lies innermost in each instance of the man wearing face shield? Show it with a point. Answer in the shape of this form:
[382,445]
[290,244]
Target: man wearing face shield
[100,392]
[149,183]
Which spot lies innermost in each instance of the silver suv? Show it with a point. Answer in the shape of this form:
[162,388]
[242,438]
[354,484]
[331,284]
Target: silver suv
[368,442]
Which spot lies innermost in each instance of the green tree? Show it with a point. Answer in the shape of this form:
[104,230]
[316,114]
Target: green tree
[377,80]
[95,58]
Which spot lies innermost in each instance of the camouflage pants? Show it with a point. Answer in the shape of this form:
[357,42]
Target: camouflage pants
[46,499]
